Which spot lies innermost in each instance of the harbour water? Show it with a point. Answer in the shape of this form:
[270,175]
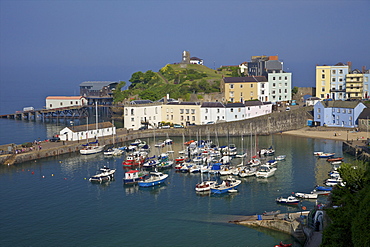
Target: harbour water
[51,202]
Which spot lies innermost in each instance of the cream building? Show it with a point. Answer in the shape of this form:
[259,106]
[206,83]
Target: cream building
[53,102]
[331,81]
[240,89]
[184,113]
[142,113]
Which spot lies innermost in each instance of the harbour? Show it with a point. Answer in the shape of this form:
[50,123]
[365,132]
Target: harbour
[174,211]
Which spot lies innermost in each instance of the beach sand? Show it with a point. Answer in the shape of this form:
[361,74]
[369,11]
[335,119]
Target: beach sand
[334,134]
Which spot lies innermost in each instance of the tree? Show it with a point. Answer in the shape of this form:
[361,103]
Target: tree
[295,90]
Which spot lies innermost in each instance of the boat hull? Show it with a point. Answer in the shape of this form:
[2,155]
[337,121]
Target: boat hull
[150,184]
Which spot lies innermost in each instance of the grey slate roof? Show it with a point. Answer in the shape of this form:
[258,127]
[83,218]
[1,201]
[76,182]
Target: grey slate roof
[340,104]
[213,105]
[139,102]
[231,105]
[253,103]
[365,114]
[96,85]
[80,128]
[245,79]
[183,103]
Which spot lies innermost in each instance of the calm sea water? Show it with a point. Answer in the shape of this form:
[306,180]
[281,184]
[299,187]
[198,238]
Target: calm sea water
[50,202]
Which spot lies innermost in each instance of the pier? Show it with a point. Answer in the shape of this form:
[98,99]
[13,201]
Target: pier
[290,223]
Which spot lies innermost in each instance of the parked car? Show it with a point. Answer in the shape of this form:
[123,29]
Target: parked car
[165,127]
[211,122]
[178,126]
[54,139]
[143,128]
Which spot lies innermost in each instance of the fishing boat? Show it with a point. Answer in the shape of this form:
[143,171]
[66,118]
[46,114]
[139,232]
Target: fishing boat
[326,155]
[134,176]
[205,186]
[155,178]
[265,171]
[134,159]
[225,186]
[289,200]
[306,195]
[283,245]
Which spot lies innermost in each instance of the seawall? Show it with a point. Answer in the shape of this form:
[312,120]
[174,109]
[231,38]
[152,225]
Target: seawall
[264,125]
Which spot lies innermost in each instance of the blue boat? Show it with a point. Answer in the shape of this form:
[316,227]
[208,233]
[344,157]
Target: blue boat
[326,155]
[155,178]
[225,186]
[323,188]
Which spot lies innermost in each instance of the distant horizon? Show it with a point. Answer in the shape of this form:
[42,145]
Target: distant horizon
[50,47]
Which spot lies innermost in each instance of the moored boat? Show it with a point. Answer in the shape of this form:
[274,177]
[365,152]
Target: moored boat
[265,171]
[225,186]
[326,155]
[134,176]
[334,159]
[155,178]
[205,186]
[289,200]
[92,148]
[307,195]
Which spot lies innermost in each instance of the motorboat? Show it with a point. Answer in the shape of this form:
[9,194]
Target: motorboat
[226,185]
[289,200]
[155,178]
[247,172]
[103,174]
[280,157]
[134,176]
[326,155]
[205,186]
[306,195]
[265,171]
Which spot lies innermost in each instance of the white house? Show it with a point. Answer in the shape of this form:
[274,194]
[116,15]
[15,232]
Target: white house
[142,113]
[257,108]
[263,91]
[234,112]
[312,101]
[53,102]
[195,60]
[212,112]
[90,131]
[280,88]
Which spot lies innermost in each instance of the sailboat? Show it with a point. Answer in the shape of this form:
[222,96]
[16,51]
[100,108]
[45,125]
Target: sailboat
[92,147]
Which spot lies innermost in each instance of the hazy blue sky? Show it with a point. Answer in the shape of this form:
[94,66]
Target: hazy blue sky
[55,45]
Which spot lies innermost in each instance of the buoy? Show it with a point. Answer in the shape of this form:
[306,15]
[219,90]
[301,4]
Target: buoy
[65,178]
[32,172]
[52,175]
[60,161]
[43,176]
[85,178]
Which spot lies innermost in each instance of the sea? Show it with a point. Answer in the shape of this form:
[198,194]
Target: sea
[50,202]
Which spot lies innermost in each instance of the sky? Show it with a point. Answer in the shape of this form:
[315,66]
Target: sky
[50,47]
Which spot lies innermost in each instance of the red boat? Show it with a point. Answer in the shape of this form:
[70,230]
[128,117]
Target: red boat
[283,245]
[334,159]
[131,160]
[180,159]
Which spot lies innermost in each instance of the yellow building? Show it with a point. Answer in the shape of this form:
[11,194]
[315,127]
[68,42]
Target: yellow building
[240,89]
[331,81]
[355,85]
[184,113]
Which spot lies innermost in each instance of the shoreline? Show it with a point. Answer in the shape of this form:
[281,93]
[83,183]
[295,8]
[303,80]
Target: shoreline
[332,134]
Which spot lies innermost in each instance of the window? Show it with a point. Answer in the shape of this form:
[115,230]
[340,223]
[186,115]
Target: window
[193,118]
[231,110]
[279,78]
[206,110]
[188,118]
[333,79]
[273,78]
[192,111]
[333,71]
[132,112]
[318,110]
[273,85]
[132,119]
[340,71]
[338,110]
[71,102]
[239,110]
[126,111]
[187,111]
[156,110]
[323,89]
[218,110]
[61,103]
[286,78]
[273,92]
[181,111]
[322,76]
[236,116]
[182,118]
[205,118]
[231,85]
[241,85]
[262,85]
[171,117]
[144,111]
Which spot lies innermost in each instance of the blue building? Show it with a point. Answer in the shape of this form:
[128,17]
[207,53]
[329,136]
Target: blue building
[338,113]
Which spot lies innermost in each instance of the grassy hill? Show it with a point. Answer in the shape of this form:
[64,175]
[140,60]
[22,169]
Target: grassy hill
[178,80]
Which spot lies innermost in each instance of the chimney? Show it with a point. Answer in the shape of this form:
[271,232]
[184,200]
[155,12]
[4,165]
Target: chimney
[165,99]
[363,69]
[349,65]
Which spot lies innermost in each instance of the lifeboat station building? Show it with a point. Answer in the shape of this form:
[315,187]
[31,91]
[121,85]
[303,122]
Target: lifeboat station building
[90,131]
[53,102]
